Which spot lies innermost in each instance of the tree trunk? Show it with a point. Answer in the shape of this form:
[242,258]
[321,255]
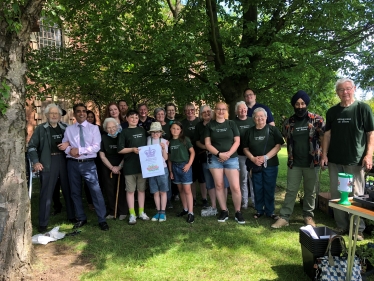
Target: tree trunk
[15,223]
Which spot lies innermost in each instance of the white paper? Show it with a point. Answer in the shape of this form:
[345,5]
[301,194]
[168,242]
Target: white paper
[151,160]
[310,230]
[50,236]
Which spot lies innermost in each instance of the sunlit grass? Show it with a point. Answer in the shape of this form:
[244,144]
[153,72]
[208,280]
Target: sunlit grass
[205,250]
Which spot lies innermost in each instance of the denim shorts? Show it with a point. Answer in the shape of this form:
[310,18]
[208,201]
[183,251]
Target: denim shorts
[209,178]
[159,183]
[231,163]
[181,177]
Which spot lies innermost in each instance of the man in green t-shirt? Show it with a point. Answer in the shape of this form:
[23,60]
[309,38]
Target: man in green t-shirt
[348,146]
[303,133]
[129,140]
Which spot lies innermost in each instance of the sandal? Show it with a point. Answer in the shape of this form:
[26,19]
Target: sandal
[274,217]
[257,215]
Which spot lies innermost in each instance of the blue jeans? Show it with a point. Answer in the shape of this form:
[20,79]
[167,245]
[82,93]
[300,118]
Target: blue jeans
[86,170]
[264,189]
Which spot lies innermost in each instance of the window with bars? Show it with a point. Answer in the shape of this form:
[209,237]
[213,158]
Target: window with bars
[49,36]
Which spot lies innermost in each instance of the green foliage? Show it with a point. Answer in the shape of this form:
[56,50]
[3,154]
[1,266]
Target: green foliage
[142,52]
[11,13]
[4,96]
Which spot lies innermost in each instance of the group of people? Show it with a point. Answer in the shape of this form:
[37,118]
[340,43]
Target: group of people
[211,149]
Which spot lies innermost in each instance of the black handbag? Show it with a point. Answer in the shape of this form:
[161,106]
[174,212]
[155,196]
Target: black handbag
[252,166]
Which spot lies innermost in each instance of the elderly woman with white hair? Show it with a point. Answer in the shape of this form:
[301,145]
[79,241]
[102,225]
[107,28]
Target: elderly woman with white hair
[261,145]
[113,163]
[243,122]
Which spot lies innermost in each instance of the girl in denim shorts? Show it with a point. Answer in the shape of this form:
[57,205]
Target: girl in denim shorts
[181,156]
[159,185]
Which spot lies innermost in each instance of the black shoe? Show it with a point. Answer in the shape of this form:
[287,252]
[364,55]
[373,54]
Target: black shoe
[239,218]
[79,224]
[224,216]
[42,229]
[205,204]
[73,220]
[181,214]
[190,218]
[104,226]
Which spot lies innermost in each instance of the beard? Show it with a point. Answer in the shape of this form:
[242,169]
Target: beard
[300,112]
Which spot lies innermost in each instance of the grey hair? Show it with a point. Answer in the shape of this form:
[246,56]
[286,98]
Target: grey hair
[237,105]
[157,110]
[258,109]
[202,108]
[51,105]
[107,120]
[343,80]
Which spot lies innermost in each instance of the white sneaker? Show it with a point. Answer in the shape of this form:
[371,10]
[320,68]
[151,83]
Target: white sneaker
[122,217]
[143,216]
[210,211]
[108,217]
[132,219]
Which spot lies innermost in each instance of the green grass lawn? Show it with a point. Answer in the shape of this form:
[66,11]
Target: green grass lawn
[205,250]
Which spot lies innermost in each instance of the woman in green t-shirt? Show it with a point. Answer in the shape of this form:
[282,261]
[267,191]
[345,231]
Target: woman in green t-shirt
[222,140]
[262,143]
[111,170]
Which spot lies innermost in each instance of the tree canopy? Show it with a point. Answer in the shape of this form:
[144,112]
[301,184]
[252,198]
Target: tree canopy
[158,51]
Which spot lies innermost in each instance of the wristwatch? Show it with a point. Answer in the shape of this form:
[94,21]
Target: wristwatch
[218,154]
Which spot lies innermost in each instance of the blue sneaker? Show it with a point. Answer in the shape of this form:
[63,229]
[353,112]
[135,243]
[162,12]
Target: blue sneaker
[156,217]
[162,217]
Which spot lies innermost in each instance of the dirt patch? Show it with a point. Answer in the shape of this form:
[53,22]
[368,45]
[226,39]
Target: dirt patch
[58,262]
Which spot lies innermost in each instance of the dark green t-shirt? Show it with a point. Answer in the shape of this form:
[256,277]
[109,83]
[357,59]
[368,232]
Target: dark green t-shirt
[189,129]
[166,129]
[222,135]
[178,151]
[131,137]
[109,147]
[255,140]
[56,138]
[301,156]
[243,126]
[348,126]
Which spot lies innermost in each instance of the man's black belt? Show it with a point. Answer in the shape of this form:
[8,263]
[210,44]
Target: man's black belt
[82,160]
[56,153]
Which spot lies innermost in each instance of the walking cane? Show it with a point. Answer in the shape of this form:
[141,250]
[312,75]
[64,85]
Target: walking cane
[115,211]
[118,181]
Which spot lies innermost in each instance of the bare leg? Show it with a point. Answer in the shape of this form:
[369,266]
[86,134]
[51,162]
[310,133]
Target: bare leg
[141,199]
[130,199]
[233,177]
[156,197]
[188,197]
[220,192]
[164,199]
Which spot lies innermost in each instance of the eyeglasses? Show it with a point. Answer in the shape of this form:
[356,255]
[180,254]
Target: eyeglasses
[155,132]
[205,112]
[344,90]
